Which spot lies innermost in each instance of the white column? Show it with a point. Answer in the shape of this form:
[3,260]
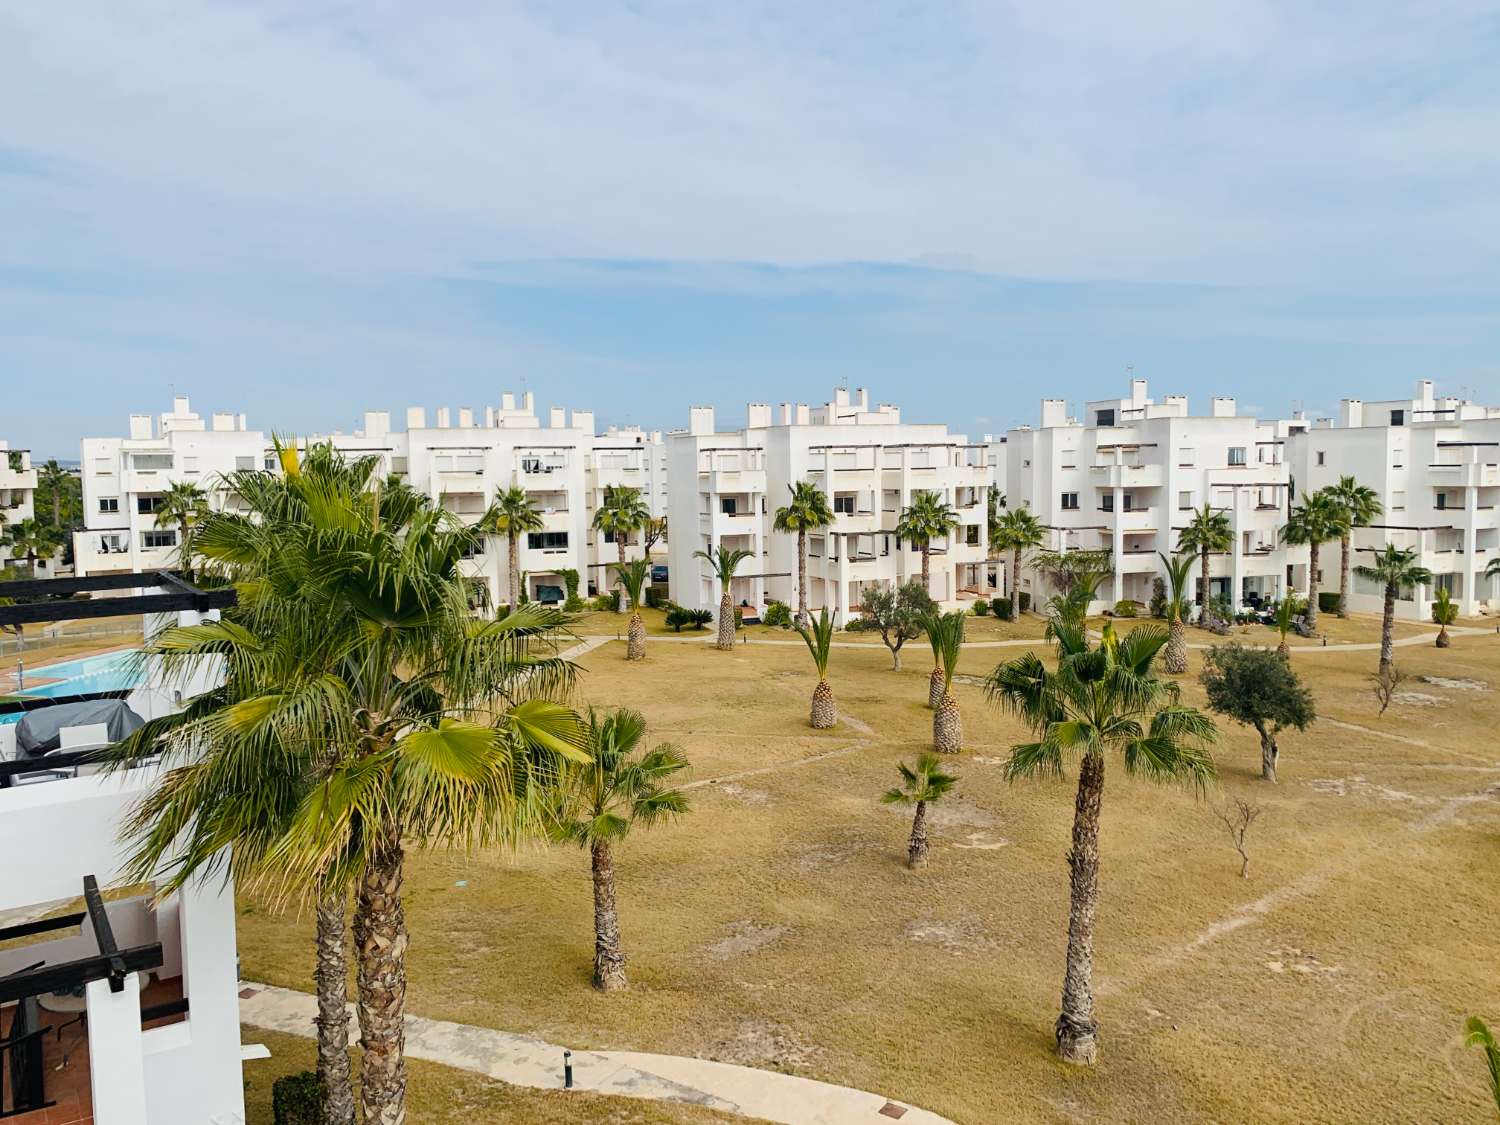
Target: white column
[1236,555]
[117,1072]
[843,580]
[1117,544]
[1471,569]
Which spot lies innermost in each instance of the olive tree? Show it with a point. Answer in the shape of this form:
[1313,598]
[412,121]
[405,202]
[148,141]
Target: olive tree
[897,615]
[1256,687]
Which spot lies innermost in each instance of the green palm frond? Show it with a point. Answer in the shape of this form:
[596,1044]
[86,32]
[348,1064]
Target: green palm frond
[818,636]
[618,786]
[1477,1034]
[807,511]
[725,561]
[633,577]
[945,636]
[622,512]
[926,781]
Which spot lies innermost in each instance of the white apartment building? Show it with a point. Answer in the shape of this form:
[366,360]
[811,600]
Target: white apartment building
[17,489]
[460,460]
[1127,477]
[1435,463]
[724,489]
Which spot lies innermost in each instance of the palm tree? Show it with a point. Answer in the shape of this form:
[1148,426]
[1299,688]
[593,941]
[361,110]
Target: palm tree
[945,632]
[1179,598]
[808,511]
[632,577]
[725,561]
[1444,613]
[1207,533]
[183,505]
[819,640]
[54,477]
[622,512]
[1492,571]
[364,711]
[1097,700]
[993,507]
[1393,568]
[30,540]
[1286,616]
[1478,1034]
[920,787]
[1018,531]
[602,799]
[929,517]
[1360,505]
[1316,520]
[512,514]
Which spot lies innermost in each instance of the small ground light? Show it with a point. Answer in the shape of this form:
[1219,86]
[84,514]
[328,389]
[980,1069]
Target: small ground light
[567,1070]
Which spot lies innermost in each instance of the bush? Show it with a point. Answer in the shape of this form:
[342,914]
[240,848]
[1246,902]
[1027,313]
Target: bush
[1125,608]
[1328,601]
[1025,602]
[297,1099]
[502,611]
[575,604]
[608,603]
[860,625]
[677,617]
[1001,606]
[1158,597]
[981,607]
[778,614]
[656,597]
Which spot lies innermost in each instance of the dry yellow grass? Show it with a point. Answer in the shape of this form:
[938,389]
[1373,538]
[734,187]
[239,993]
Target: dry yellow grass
[777,926]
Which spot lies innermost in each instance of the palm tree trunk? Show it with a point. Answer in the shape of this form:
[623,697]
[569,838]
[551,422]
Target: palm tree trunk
[1312,586]
[824,711]
[331,975]
[512,541]
[1344,575]
[1015,584]
[1443,640]
[635,642]
[1205,615]
[1077,1030]
[1268,754]
[916,847]
[1176,660]
[935,689]
[609,961]
[947,726]
[802,577]
[380,944]
[726,620]
[1387,626]
[624,595]
[926,567]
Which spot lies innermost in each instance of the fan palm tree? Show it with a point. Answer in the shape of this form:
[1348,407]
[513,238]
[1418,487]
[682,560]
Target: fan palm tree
[182,506]
[29,540]
[1018,531]
[617,788]
[1312,523]
[379,713]
[622,513]
[1071,607]
[919,787]
[1286,616]
[1478,1034]
[1098,700]
[1207,533]
[1179,598]
[725,561]
[1395,569]
[945,632]
[1360,504]
[55,478]
[994,506]
[928,517]
[1444,613]
[1492,571]
[512,515]
[819,640]
[807,511]
[633,577]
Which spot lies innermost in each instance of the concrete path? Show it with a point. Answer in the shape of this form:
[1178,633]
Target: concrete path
[524,1061]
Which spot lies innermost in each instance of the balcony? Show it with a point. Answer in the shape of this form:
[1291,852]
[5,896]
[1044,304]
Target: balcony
[1107,474]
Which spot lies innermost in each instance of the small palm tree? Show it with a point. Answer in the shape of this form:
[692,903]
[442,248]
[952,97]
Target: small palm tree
[605,797]
[513,514]
[1444,613]
[1477,1034]
[1098,700]
[1312,523]
[808,511]
[725,561]
[928,517]
[623,511]
[30,540]
[183,505]
[1179,598]
[819,638]
[1018,531]
[1360,505]
[54,477]
[1395,569]
[993,507]
[633,577]
[1207,533]
[920,787]
[1286,616]
[945,632]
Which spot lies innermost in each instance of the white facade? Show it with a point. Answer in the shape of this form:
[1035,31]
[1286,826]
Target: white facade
[1127,477]
[1435,464]
[17,489]
[724,489]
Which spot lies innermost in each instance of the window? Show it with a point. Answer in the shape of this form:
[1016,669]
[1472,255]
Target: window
[1107,502]
[1398,458]
[147,505]
[1104,418]
[971,535]
[150,462]
[1237,455]
[1320,457]
[1398,417]
[843,505]
[726,505]
[112,544]
[190,464]
[245,464]
[1186,458]
[547,540]
[156,540]
[1442,501]
[1398,501]
[1070,501]
[109,504]
[1185,501]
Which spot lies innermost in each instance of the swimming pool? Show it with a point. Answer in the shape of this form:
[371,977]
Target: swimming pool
[109,671]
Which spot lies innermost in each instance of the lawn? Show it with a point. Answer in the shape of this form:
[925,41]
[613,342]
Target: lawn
[776,925]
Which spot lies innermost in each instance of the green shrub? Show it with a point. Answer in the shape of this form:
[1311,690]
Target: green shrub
[570,583]
[1328,601]
[778,614]
[608,602]
[1025,602]
[575,604]
[860,625]
[677,617]
[739,617]
[297,1099]
[1158,597]
[981,607]
[1001,606]
[1125,608]
[656,597]
[502,611]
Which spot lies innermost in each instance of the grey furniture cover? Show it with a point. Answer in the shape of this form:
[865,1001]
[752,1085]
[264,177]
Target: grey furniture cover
[39,732]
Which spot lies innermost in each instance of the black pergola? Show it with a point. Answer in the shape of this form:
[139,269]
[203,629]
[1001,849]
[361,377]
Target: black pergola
[171,592]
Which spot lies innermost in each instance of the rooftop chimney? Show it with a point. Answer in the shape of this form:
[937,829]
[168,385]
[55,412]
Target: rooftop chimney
[700,419]
[416,417]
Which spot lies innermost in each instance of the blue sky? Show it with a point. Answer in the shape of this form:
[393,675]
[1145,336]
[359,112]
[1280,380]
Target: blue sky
[304,210]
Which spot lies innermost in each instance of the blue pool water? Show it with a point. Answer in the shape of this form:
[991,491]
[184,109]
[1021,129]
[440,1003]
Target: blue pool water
[111,671]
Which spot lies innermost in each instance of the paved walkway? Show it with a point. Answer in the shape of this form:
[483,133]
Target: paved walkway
[524,1061]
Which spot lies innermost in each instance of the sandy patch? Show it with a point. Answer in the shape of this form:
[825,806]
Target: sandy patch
[756,1042]
[744,938]
[952,935]
[1455,684]
[1300,961]
[1416,699]
[754,798]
